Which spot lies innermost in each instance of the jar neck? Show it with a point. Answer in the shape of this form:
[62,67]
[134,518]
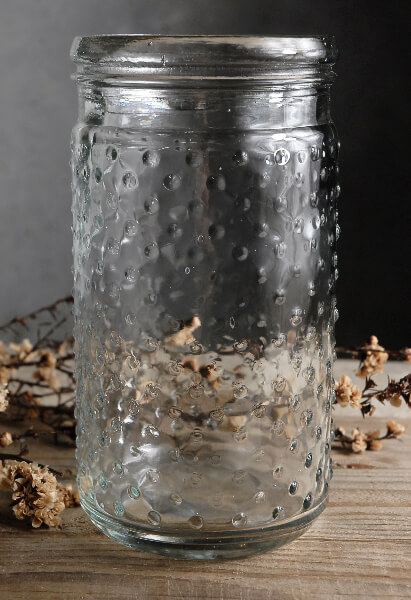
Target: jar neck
[228,105]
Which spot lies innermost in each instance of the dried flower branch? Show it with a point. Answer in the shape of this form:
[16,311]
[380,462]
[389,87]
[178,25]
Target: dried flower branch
[359,441]
[372,361]
[349,394]
[403,354]
[51,309]
[40,370]
[393,392]
[373,357]
[30,374]
[33,372]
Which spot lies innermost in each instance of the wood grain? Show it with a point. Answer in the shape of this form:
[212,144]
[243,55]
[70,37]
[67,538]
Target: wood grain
[360,547]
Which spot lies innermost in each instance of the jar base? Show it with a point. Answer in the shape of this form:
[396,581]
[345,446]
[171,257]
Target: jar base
[208,546]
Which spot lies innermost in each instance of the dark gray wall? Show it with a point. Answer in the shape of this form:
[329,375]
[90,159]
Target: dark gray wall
[38,109]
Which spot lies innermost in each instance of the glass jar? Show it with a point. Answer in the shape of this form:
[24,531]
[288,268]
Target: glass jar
[205,227]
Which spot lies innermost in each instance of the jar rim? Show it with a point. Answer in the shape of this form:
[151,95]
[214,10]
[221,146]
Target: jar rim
[202,56]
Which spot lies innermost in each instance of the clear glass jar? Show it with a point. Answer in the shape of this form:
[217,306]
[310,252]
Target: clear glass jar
[205,227]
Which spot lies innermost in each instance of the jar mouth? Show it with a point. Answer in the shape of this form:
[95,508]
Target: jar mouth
[204,57]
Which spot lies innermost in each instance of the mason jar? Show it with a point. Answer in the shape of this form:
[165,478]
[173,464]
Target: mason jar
[205,185]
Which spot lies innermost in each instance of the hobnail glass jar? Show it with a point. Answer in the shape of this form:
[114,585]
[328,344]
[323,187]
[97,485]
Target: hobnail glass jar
[205,227]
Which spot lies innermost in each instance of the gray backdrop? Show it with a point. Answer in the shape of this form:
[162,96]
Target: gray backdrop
[38,109]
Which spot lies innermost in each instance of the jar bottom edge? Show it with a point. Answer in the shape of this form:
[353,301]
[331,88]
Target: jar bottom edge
[179,545]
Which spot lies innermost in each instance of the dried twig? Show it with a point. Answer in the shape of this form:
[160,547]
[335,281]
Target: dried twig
[404,354]
[51,308]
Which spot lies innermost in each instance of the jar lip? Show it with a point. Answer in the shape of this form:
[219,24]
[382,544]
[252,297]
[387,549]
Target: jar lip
[201,55]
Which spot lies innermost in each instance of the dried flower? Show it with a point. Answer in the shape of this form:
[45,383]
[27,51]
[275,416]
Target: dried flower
[48,359]
[62,348]
[48,375]
[6,439]
[4,352]
[4,401]
[36,495]
[395,400]
[347,392]
[69,496]
[209,372]
[5,375]
[190,364]
[373,359]
[395,428]
[375,445]
[31,405]
[22,350]
[406,352]
[359,443]
[372,440]
[185,335]
[6,475]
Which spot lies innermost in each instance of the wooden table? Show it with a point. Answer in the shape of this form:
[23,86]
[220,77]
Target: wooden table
[360,547]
